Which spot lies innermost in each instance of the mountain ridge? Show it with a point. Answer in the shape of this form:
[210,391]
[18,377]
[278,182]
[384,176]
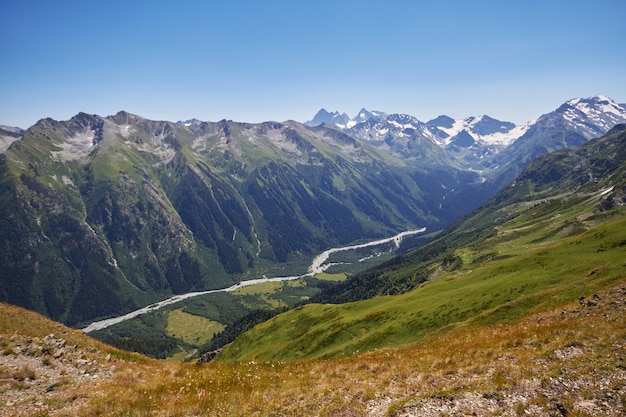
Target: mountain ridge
[157,208]
[610,114]
[498,150]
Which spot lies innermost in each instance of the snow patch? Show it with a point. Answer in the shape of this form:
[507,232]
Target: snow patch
[600,110]
[605,192]
[497,138]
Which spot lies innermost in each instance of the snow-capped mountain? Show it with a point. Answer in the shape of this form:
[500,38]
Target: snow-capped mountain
[342,120]
[329,118]
[598,113]
[387,128]
[569,126]
[572,124]
[575,121]
[364,115]
[469,140]
[189,122]
[482,129]
[378,126]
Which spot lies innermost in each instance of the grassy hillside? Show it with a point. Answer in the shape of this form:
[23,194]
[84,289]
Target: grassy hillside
[568,360]
[496,283]
[556,233]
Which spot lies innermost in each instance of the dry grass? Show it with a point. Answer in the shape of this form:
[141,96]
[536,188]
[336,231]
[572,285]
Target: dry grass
[569,359]
[566,361]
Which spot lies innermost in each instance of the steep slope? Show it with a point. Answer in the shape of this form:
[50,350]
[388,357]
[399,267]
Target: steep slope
[101,215]
[565,361]
[47,367]
[556,233]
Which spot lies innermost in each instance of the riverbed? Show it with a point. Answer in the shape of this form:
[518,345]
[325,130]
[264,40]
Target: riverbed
[318,265]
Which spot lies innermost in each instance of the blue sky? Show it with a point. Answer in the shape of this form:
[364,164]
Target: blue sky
[253,61]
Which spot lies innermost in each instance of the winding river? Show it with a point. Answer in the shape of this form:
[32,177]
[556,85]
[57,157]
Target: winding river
[318,265]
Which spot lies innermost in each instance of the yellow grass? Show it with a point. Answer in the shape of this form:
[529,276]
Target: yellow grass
[567,357]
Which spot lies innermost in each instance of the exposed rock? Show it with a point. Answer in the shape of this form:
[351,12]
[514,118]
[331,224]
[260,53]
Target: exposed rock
[34,372]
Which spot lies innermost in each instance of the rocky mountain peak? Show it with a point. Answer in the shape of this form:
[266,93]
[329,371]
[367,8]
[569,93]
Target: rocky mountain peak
[330,118]
[441,121]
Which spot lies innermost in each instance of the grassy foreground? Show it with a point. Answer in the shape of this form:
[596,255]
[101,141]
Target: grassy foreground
[569,360]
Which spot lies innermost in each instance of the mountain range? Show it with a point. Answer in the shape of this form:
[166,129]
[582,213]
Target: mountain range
[102,215]
[515,309]
[555,233]
[594,115]
[498,150]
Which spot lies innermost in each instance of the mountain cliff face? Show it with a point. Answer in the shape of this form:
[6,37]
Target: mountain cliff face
[104,214]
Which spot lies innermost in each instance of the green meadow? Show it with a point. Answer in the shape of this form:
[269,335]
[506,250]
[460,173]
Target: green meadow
[550,252]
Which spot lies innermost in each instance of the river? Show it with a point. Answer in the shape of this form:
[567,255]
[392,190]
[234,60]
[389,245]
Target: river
[317,266]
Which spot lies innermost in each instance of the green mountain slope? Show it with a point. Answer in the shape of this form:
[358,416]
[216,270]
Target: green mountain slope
[101,215]
[556,233]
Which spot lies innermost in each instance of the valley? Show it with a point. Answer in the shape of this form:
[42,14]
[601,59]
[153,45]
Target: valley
[318,266]
[556,357]
[511,304]
[313,209]
[518,270]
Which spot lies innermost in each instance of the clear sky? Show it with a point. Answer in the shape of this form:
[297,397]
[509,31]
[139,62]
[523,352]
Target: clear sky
[254,61]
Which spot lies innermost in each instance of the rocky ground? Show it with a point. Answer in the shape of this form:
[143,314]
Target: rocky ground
[585,377]
[45,376]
